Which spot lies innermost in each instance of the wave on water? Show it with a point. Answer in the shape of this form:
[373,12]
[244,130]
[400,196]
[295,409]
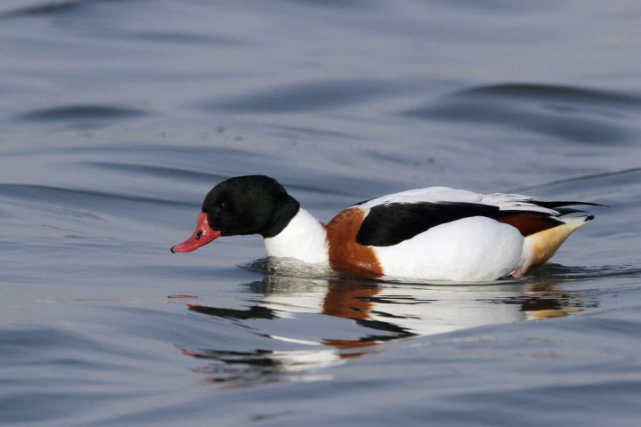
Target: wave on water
[305,97]
[556,93]
[26,8]
[548,273]
[289,267]
[82,112]
[566,273]
[617,179]
[580,115]
[57,195]
[83,116]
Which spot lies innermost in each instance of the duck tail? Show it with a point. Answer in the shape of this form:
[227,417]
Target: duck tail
[541,246]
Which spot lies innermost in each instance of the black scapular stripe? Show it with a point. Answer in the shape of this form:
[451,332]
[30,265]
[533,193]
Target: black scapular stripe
[555,205]
[388,225]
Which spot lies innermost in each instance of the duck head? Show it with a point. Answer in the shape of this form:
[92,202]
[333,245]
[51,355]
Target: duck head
[253,204]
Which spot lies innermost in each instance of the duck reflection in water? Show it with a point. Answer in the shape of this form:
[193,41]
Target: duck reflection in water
[378,312]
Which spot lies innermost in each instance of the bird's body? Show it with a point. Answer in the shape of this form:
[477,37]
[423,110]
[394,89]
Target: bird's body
[435,233]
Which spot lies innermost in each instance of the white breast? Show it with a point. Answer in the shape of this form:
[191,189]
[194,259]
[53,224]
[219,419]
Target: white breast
[304,238]
[470,249]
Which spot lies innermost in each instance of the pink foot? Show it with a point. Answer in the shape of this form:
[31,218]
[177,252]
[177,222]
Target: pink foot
[517,274]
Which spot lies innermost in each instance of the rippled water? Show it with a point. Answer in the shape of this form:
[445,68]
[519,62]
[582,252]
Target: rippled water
[118,116]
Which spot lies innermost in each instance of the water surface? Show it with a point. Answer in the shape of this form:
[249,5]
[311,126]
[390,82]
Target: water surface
[117,117]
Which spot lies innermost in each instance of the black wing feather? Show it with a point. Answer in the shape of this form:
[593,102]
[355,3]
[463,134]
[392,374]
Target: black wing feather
[565,211]
[554,205]
[388,225]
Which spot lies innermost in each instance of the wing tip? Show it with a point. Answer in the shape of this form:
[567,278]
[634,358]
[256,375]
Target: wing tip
[577,221]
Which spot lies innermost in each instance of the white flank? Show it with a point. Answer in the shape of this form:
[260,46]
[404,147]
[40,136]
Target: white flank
[470,249]
[304,238]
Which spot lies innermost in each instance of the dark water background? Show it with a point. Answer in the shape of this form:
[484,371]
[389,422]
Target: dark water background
[116,118]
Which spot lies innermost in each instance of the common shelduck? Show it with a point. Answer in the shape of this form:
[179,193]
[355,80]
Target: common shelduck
[434,233]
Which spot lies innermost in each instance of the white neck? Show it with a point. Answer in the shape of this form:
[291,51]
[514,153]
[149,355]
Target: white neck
[304,238]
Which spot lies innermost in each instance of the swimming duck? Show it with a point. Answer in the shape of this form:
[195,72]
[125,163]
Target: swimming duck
[435,233]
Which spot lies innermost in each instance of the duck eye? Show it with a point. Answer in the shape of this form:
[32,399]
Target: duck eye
[223,205]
